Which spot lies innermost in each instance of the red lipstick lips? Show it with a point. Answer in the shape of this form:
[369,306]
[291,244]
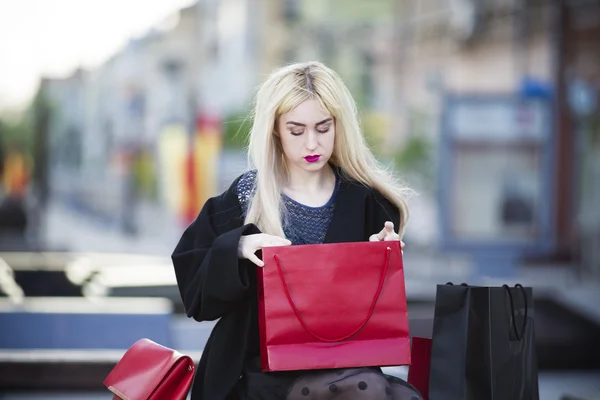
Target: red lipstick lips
[313,158]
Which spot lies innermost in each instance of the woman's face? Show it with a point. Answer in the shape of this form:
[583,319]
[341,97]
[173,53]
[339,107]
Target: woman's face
[307,135]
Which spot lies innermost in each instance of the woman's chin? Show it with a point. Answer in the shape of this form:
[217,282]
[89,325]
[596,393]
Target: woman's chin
[313,166]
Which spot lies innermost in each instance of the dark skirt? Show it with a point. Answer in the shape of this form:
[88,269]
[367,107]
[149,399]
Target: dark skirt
[331,384]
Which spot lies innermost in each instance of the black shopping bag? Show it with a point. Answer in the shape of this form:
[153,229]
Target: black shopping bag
[483,344]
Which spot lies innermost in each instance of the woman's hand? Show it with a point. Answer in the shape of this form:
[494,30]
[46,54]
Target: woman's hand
[250,244]
[386,234]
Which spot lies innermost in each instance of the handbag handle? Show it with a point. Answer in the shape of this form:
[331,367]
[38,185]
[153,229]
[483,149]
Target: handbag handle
[512,310]
[360,326]
[452,284]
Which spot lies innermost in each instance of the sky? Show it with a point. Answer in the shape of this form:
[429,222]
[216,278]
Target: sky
[54,37]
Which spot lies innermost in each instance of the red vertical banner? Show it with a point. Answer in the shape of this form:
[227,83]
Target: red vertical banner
[207,149]
[189,209]
[200,165]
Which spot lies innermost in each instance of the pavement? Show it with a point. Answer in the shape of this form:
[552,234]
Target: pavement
[579,385]
[77,231]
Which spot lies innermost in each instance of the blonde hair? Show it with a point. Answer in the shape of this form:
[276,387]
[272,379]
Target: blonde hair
[283,91]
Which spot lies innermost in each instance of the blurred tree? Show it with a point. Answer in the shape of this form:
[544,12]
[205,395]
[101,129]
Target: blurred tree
[413,154]
[362,11]
[16,131]
[347,11]
[375,127]
[236,129]
[415,159]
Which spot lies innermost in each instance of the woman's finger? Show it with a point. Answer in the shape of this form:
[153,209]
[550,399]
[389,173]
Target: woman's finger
[256,260]
[374,238]
[388,229]
[389,226]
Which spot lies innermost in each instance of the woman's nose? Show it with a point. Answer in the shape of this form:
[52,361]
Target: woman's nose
[311,141]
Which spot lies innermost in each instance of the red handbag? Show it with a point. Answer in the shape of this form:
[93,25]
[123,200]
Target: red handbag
[336,305]
[149,371]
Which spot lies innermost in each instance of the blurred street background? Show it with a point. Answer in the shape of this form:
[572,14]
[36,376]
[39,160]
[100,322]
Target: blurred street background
[118,119]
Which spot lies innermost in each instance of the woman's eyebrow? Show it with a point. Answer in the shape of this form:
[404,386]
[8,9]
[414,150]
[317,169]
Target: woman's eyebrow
[294,123]
[326,120]
[317,124]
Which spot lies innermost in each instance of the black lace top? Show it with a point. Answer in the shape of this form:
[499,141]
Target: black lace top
[301,224]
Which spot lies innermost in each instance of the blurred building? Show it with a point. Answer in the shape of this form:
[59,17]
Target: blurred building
[147,100]
[107,121]
[404,62]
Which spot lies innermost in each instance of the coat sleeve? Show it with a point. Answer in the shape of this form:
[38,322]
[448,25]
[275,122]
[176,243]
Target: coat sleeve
[380,210]
[210,276]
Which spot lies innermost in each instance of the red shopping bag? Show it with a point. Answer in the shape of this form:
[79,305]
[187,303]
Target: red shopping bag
[333,306]
[418,373]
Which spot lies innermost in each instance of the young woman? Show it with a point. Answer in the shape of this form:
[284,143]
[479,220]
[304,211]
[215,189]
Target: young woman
[312,180]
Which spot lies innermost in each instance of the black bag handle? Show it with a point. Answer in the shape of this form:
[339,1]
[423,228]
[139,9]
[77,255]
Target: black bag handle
[512,310]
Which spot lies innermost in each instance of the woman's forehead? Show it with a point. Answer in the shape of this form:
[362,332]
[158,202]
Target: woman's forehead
[308,112]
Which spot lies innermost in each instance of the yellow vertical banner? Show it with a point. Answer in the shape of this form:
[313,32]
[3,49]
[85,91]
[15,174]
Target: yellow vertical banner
[173,149]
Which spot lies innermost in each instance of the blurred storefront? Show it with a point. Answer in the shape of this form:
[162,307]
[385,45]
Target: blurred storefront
[507,94]
[495,179]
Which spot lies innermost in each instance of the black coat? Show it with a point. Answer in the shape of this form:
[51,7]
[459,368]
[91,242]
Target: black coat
[214,283]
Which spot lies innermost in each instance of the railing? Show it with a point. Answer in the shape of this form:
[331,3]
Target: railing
[8,285]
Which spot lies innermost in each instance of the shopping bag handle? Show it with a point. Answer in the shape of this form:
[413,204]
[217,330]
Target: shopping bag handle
[360,326]
[512,310]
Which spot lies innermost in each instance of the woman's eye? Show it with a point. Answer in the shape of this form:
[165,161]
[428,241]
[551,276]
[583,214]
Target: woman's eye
[296,133]
[324,130]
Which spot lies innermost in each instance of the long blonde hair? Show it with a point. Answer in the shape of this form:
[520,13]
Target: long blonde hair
[283,91]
